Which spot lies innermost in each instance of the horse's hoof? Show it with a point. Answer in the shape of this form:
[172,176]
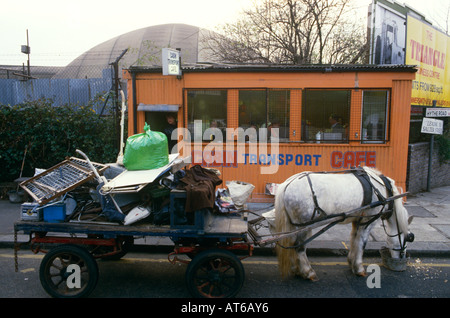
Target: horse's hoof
[311,276]
[361,273]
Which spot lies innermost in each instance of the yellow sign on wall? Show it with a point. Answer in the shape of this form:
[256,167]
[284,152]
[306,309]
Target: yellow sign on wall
[429,49]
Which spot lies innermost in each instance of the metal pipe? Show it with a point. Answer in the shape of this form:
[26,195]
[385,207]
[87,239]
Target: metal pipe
[122,122]
[133,87]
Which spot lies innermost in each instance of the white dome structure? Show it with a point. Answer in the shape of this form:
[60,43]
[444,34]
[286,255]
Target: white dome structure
[144,49]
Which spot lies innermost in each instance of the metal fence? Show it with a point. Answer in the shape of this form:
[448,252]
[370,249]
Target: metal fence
[62,91]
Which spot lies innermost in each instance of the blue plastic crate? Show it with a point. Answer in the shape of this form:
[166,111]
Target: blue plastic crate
[55,213]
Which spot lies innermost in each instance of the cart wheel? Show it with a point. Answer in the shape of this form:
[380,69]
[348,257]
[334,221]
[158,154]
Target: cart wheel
[215,274]
[60,281]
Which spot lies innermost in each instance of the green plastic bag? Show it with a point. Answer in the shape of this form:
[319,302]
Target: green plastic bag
[145,151]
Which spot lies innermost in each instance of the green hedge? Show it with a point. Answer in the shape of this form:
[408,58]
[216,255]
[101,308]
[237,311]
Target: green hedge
[50,134]
[443,142]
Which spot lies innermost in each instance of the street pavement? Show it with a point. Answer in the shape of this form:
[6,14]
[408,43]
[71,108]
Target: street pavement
[431,227]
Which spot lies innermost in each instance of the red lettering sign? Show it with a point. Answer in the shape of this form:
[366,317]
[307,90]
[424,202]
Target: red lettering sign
[350,159]
[427,55]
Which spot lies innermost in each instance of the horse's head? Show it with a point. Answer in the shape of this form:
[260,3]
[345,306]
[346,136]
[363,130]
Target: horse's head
[398,227]
[398,220]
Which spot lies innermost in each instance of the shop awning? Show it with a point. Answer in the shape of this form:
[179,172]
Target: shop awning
[158,107]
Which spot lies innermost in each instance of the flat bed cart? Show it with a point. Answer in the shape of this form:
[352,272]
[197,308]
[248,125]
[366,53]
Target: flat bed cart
[209,239]
[211,242]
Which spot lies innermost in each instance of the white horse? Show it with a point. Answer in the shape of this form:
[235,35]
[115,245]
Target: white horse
[336,193]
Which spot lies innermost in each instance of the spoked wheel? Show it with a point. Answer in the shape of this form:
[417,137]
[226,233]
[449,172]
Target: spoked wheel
[68,271]
[215,274]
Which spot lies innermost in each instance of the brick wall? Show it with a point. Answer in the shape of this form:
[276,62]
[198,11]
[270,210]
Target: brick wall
[417,175]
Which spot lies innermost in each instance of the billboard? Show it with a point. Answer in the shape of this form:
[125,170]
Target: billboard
[400,35]
[388,36]
[429,49]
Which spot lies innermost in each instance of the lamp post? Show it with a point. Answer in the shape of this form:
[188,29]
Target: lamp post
[26,50]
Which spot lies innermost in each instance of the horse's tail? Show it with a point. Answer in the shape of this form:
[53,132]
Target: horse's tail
[286,256]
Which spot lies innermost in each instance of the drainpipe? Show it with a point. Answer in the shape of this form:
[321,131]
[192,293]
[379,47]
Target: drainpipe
[133,87]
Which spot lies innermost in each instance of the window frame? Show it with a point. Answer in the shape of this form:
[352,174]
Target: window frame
[312,139]
[387,110]
[190,90]
[267,110]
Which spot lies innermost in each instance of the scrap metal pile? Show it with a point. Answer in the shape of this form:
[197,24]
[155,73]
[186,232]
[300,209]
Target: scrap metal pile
[85,191]
[78,190]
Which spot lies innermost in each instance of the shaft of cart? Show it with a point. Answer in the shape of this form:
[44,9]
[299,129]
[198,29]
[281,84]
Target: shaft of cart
[327,222]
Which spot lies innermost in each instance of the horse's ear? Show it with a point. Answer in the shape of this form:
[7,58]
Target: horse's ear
[410,219]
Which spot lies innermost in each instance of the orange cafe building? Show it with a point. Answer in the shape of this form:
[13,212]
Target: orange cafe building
[326,118]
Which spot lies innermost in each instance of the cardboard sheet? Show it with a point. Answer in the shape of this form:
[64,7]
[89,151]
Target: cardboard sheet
[133,181]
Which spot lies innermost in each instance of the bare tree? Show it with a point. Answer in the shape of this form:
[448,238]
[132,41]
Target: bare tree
[348,44]
[291,32]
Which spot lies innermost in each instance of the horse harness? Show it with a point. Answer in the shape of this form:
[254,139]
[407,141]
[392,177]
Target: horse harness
[368,190]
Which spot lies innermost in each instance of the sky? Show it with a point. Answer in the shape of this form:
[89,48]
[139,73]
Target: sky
[61,30]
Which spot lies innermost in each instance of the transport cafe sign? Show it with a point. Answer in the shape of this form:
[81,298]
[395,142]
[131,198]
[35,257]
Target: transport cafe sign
[224,154]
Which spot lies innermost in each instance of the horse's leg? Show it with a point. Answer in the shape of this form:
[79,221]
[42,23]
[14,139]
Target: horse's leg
[304,270]
[358,240]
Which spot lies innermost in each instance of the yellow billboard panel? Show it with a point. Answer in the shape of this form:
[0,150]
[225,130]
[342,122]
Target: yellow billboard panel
[429,49]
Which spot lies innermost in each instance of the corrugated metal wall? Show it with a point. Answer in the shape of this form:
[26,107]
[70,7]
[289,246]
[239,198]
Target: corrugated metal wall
[151,91]
[295,156]
[60,91]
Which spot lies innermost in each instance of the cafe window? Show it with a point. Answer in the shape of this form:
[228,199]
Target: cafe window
[325,116]
[374,116]
[264,110]
[209,107]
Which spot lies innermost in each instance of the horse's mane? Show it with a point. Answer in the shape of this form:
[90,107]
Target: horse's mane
[373,170]
[374,173]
